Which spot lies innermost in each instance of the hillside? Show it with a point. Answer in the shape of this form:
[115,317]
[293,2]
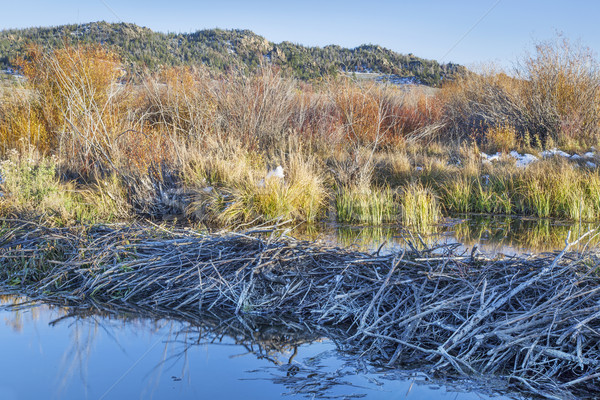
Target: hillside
[218,49]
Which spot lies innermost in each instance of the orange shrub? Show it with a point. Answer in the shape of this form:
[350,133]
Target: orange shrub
[373,114]
[138,152]
[501,138]
[554,98]
[563,91]
[257,108]
[475,103]
[181,100]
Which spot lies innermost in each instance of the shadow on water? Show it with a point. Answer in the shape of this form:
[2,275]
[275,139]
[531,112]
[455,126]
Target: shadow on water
[110,351]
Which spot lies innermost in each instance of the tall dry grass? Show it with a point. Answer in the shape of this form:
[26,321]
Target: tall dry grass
[233,185]
[553,98]
[77,98]
[192,142]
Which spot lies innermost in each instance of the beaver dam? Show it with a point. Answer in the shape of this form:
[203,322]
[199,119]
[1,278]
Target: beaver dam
[531,322]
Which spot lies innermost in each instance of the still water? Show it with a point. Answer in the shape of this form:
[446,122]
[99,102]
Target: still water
[493,235]
[52,352]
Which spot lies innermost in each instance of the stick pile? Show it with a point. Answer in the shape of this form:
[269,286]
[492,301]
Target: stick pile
[533,321]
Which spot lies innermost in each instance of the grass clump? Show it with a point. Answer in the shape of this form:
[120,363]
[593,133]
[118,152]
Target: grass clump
[32,187]
[419,207]
[456,194]
[558,189]
[365,205]
[251,192]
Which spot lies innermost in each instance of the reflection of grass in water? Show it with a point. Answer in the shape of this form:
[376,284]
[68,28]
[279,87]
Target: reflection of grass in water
[366,236]
[371,237]
[536,235]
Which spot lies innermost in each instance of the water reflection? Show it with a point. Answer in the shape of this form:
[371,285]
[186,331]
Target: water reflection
[492,235]
[519,234]
[126,352]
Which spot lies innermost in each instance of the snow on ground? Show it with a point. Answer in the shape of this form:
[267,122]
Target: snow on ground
[523,160]
[487,159]
[276,173]
[554,152]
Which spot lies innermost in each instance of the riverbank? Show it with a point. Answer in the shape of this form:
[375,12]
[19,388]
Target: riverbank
[457,314]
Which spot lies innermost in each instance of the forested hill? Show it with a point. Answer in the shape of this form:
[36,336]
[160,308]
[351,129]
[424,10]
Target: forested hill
[219,48]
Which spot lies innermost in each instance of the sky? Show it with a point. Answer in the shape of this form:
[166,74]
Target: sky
[469,32]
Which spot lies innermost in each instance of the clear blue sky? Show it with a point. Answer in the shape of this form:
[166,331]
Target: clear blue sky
[430,29]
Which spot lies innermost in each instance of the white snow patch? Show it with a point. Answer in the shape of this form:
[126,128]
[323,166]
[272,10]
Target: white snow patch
[490,158]
[523,160]
[495,157]
[276,173]
[554,152]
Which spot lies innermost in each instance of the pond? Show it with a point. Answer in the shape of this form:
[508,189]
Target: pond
[62,353]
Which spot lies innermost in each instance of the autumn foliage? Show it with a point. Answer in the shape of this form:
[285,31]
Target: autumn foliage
[79,104]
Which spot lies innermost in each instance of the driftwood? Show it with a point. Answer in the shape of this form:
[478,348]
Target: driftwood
[533,321]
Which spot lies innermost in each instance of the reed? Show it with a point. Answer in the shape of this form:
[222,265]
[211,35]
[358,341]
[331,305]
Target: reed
[456,194]
[365,205]
[238,189]
[419,207]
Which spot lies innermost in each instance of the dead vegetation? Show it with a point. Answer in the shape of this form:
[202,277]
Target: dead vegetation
[532,321]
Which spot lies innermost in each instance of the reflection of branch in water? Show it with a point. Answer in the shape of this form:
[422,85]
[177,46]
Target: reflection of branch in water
[16,320]
[313,378]
[133,365]
[276,341]
[85,324]
[76,357]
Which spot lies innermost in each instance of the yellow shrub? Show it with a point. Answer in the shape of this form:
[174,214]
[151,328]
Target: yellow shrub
[21,124]
[76,89]
[501,138]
